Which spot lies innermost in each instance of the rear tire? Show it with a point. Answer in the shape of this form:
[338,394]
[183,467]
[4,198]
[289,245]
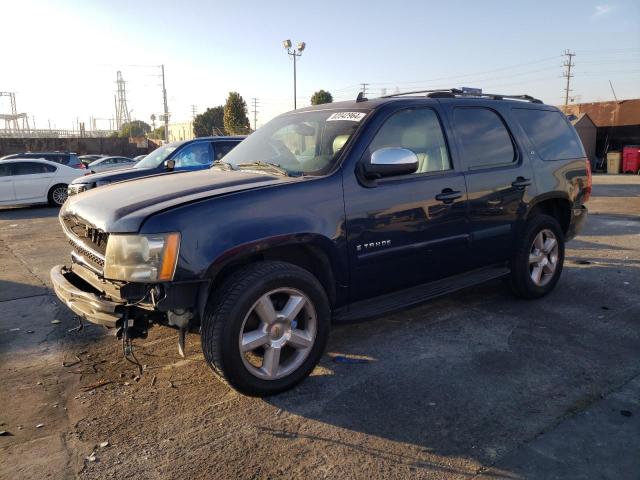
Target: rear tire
[57,195]
[537,263]
[266,327]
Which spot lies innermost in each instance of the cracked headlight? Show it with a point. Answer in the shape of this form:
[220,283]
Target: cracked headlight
[142,258]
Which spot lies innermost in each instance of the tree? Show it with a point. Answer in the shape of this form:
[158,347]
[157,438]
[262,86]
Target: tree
[135,128]
[236,121]
[210,122]
[157,133]
[320,97]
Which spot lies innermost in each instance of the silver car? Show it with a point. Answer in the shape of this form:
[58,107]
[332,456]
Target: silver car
[111,163]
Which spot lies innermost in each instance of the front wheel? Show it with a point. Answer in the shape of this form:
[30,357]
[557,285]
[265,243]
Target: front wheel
[537,263]
[266,327]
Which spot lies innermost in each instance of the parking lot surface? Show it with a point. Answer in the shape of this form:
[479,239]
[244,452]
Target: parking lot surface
[473,385]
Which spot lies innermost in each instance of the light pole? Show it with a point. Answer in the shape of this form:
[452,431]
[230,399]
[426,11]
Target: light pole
[297,52]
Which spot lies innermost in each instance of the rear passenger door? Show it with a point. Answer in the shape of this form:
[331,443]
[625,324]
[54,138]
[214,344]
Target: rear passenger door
[498,176]
[408,229]
[31,180]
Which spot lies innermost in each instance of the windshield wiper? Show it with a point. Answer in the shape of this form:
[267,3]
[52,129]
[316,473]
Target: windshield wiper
[224,165]
[266,166]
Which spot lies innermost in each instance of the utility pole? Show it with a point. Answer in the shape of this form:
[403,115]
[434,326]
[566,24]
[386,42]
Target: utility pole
[568,64]
[364,89]
[255,113]
[296,52]
[166,108]
[194,111]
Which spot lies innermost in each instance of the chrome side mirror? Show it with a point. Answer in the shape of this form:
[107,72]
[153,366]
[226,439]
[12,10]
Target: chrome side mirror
[390,161]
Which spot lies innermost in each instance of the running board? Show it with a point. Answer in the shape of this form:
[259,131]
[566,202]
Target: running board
[402,299]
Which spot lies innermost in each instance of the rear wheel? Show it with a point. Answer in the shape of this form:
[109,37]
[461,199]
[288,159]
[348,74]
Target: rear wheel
[266,327]
[537,263]
[57,195]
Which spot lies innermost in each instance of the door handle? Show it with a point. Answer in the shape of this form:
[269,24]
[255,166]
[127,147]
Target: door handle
[521,182]
[448,196]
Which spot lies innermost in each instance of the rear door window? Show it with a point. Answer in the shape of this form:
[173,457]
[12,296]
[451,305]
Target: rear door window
[222,148]
[29,168]
[551,134]
[5,170]
[483,138]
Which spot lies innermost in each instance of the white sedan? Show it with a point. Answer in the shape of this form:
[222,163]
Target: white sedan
[28,181]
[110,163]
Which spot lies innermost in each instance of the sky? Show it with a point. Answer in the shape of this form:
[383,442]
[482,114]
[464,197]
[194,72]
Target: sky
[61,56]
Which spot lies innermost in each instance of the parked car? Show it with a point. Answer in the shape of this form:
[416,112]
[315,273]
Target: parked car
[188,155]
[110,163]
[87,159]
[30,181]
[64,158]
[405,198]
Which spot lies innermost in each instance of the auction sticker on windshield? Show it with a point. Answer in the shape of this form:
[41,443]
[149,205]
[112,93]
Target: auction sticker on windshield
[350,116]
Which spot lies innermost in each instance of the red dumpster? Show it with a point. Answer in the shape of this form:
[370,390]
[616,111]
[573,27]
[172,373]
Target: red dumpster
[631,159]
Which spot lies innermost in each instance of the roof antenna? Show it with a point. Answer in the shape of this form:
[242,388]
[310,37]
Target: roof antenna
[613,91]
[361,98]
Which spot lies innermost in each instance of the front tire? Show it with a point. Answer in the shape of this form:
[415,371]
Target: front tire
[57,195]
[539,257]
[266,327]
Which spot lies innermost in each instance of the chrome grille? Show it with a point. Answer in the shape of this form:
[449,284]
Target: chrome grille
[88,255]
[93,238]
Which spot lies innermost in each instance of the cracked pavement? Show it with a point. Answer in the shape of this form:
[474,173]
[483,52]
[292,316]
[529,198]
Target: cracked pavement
[473,385]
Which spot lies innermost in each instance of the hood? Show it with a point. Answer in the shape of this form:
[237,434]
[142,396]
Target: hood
[117,175]
[123,207]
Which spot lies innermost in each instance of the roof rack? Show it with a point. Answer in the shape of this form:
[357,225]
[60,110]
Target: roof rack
[471,93]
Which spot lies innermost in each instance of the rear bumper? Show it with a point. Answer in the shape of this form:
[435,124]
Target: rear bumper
[82,301]
[578,219]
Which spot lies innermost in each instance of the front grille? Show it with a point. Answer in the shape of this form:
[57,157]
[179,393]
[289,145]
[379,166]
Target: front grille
[93,238]
[89,256]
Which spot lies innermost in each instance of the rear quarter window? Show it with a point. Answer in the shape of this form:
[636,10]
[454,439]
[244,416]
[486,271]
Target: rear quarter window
[551,134]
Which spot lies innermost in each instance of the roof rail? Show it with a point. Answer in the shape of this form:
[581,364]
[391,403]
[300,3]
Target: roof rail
[456,92]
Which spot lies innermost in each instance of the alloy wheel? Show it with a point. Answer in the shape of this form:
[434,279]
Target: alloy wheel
[543,257]
[278,333]
[59,195]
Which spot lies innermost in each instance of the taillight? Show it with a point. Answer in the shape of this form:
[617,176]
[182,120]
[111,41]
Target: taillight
[587,189]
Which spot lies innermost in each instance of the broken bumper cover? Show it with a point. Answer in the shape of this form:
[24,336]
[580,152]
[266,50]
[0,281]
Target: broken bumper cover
[84,303]
[578,219]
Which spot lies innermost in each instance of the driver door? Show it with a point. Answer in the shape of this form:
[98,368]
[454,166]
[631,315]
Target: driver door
[195,156]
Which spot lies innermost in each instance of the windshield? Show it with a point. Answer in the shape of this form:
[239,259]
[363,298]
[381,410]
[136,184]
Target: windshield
[156,157]
[306,143]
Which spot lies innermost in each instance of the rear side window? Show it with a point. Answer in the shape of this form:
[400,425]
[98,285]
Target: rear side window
[483,137]
[31,168]
[5,171]
[550,132]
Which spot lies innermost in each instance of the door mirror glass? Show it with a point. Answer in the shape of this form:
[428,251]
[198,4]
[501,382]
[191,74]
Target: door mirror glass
[170,164]
[390,161]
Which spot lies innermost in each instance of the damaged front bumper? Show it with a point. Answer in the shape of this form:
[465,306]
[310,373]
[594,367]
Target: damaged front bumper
[84,300]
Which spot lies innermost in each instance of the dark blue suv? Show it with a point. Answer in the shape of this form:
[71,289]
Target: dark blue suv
[187,155]
[334,212]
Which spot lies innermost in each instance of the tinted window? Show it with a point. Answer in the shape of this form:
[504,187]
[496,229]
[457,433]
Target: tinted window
[483,136]
[550,133]
[194,155]
[419,131]
[31,168]
[222,148]
[4,171]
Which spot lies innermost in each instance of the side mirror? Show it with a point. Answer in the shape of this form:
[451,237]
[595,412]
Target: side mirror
[170,165]
[390,161]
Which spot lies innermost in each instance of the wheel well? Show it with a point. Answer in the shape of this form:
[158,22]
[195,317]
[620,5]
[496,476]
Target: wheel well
[558,208]
[309,257]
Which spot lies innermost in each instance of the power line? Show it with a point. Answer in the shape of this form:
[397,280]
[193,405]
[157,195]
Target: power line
[567,74]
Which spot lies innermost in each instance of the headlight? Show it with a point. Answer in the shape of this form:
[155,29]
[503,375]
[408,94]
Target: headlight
[142,258]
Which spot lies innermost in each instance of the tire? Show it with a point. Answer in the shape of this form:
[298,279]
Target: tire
[525,270]
[55,196]
[238,311]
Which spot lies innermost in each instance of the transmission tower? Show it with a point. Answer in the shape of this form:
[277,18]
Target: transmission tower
[11,119]
[255,113]
[194,111]
[122,111]
[568,64]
